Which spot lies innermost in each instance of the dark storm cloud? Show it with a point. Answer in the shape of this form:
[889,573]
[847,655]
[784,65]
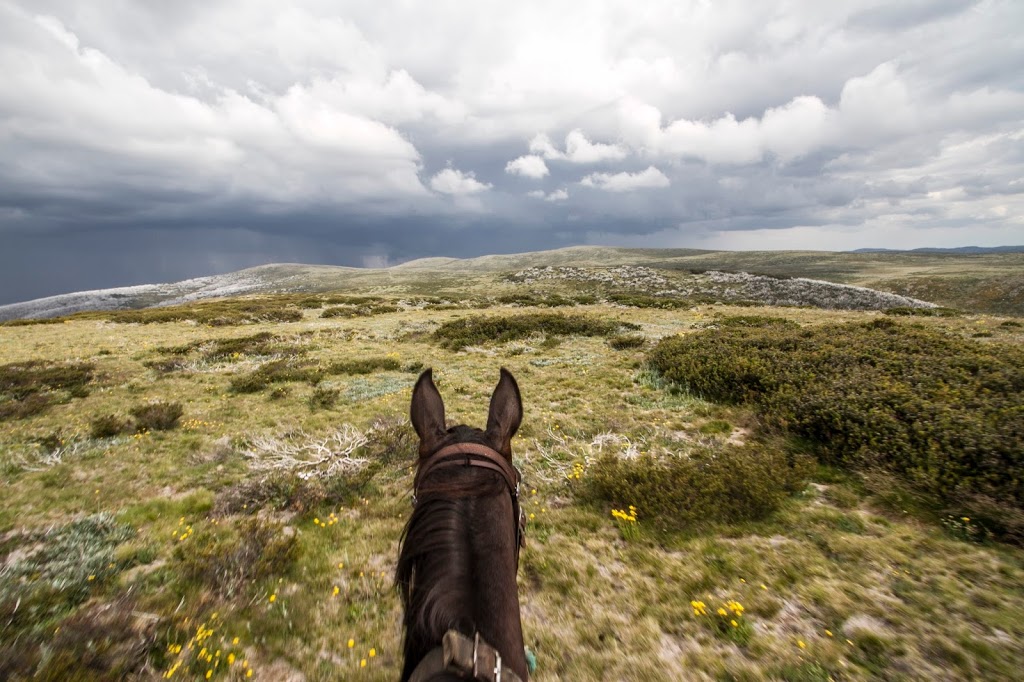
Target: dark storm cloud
[143,141]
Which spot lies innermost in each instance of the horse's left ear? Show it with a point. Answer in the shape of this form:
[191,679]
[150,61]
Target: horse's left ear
[427,412]
[505,415]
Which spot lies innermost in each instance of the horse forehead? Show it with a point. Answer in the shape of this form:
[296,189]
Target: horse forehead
[463,434]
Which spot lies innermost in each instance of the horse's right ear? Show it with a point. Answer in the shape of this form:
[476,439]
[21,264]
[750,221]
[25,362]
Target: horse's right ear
[427,412]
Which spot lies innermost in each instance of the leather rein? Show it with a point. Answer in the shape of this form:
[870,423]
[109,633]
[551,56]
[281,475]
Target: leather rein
[471,658]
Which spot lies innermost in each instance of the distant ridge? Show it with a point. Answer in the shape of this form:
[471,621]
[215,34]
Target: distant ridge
[960,250]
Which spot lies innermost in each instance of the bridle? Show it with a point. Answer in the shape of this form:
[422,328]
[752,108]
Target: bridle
[471,658]
[484,457]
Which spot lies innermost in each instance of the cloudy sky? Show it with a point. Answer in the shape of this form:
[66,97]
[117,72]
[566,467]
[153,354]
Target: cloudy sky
[146,141]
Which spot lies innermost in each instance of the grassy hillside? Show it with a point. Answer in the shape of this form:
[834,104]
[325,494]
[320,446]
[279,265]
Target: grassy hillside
[222,490]
[984,283]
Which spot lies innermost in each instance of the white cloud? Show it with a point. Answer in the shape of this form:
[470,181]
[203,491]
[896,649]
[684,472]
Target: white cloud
[528,166]
[578,149]
[451,181]
[649,178]
[296,146]
[557,195]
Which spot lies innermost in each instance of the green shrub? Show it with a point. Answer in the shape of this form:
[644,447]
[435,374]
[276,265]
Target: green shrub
[626,341]
[364,366]
[359,310]
[457,334]
[757,321]
[906,311]
[29,388]
[108,426]
[645,301]
[276,371]
[323,398]
[226,559]
[733,483]
[941,411]
[157,416]
[538,300]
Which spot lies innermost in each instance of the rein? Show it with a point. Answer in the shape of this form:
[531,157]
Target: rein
[471,658]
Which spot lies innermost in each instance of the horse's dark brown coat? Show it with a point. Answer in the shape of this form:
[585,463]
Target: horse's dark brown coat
[457,563]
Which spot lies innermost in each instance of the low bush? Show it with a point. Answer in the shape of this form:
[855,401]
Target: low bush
[906,311]
[645,301]
[29,388]
[358,310]
[100,642]
[323,398]
[214,313]
[468,331]
[108,426]
[364,366]
[276,371]
[157,416]
[733,483]
[941,411]
[226,559]
[541,300]
[627,341]
[756,321]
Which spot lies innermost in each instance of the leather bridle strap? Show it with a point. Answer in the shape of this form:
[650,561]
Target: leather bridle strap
[468,454]
[484,457]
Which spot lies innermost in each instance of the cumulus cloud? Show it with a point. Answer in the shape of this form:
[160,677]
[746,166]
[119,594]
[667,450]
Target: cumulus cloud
[649,178]
[451,181]
[529,166]
[76,102]
[557,195]
[578,149]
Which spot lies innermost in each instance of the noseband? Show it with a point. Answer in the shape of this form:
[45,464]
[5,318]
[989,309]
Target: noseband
[471,658]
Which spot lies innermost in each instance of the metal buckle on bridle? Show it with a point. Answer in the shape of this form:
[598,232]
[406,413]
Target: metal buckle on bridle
[476,647]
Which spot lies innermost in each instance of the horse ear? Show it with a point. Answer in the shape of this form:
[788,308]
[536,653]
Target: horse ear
[427,412]
[505,415]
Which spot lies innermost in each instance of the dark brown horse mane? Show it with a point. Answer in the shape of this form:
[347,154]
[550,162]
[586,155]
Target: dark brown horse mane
[437,550]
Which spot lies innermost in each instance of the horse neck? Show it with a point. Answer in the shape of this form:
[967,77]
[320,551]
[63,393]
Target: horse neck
[466,580]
